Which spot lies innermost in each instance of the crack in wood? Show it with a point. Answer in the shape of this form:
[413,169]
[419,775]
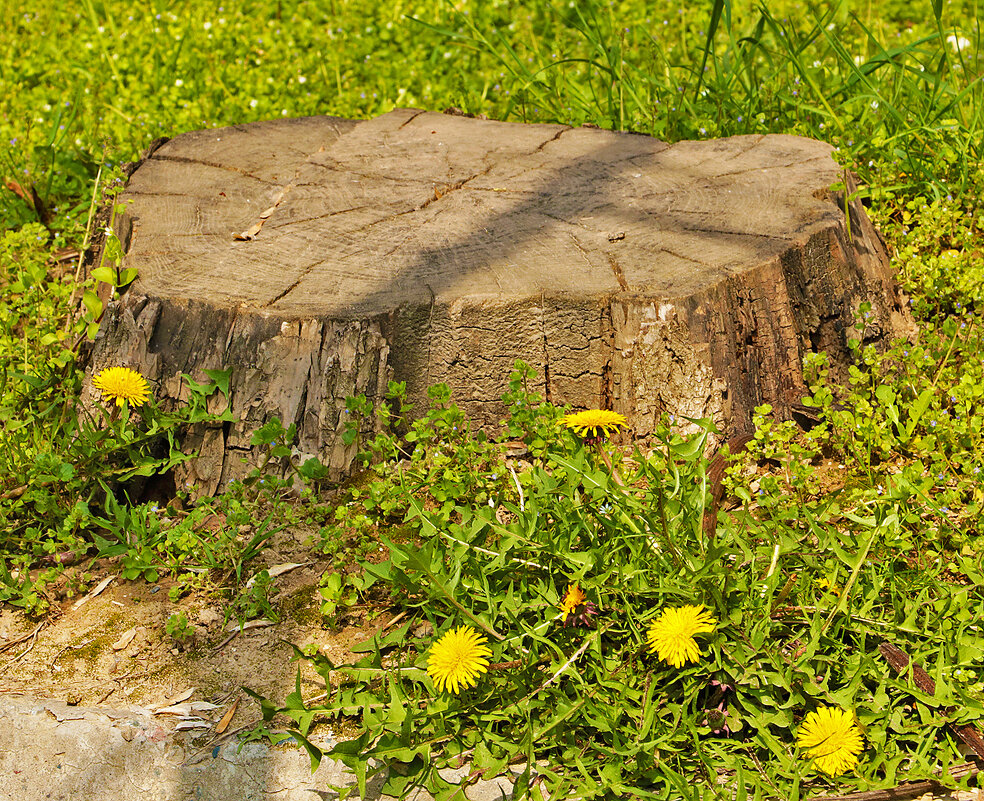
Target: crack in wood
[437,196]
[607,371]
[617,269]
[430,328]
[700,230]
[578,246]
[682,256]
[777,166]
[742,151]
[335,167]
[547,394]
[226,167]
[279,226]
[553,138]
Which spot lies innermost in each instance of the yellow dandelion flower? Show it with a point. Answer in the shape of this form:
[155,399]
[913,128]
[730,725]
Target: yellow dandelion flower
[594,423]
[122,385]
[574,598]
[832,739]
[671,635]
[458,659]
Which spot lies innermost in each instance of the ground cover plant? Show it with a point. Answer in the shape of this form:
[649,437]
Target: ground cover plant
[569,613]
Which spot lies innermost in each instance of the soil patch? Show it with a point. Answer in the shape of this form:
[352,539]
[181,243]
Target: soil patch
[114,648]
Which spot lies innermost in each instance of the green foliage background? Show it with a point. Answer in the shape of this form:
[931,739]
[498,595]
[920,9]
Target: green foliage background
[806,580]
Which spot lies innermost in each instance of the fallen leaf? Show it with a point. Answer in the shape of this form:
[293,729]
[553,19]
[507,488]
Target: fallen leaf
[125,639]
[249,233]
[175,709]
[177,699]
[213,523]
[277,570]
[250,624]
[193,723]
[17,189]
[98,589]
[227,717]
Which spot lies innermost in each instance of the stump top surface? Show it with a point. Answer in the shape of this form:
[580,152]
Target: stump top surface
[324,217]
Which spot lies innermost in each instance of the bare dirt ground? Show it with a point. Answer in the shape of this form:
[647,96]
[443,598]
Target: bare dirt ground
[113,648]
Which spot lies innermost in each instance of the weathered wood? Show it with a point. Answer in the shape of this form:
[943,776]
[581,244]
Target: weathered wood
[321,257]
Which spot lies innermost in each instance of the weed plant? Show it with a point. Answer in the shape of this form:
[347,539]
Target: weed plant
[804,585]
[863,529]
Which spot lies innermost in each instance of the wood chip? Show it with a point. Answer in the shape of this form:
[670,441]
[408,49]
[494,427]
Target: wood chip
[98,589]
[125,639]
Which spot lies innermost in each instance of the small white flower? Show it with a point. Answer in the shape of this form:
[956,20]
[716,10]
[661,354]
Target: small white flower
[874,104]
[254,103]
[207,25]
[301,79]
[958,43]
[179,82]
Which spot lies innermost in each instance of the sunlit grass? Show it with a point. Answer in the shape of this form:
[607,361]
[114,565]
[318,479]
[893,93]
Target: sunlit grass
[867,526]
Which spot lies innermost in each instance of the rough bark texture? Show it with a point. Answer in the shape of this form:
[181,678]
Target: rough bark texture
[321,257]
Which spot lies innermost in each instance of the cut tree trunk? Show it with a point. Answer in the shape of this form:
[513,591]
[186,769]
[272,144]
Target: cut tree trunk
[320,258]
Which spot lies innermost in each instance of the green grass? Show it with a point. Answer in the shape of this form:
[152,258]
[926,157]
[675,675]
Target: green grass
[866,527]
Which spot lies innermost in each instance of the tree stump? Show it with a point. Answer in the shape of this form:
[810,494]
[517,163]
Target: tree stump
[320,258]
